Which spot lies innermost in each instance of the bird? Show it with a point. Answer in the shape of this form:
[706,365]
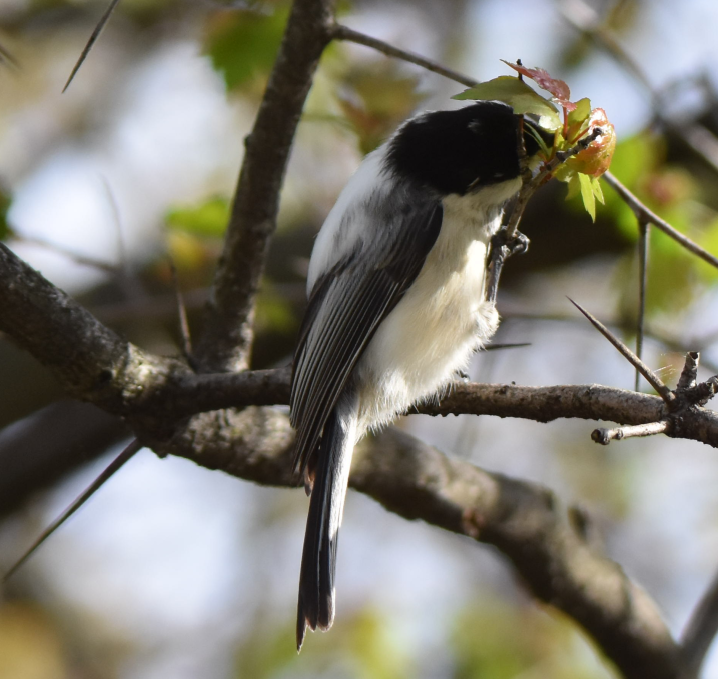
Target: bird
[396,302]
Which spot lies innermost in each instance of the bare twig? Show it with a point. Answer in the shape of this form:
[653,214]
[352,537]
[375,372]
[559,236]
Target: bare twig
[643,214]
[642,285]
[70,254]
[340,32]
[605,436]
[93,38]
[665,393]
[113,467]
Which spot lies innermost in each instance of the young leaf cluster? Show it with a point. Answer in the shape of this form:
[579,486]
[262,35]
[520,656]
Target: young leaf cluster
[568,121]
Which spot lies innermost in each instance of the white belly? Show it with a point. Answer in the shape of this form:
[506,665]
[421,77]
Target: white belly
[438,324]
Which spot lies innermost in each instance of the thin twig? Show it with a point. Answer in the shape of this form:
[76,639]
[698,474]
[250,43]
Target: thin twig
[70,254]
[122,258]
[114,466]
[663,391]
[644,214]
[605,436]
[341,32]
[644,231]
[93,38]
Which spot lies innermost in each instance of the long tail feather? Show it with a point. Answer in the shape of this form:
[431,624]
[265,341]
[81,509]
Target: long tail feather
[315,607]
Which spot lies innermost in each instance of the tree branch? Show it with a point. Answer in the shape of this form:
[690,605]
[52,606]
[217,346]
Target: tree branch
[340,32]
[527,524]
[226,341]
[644,215]
[91,362]
[523,520]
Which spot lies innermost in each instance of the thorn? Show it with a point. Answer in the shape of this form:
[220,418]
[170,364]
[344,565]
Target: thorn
[114,466]
[93,38]
[644,231]
[182,313]
[664,392]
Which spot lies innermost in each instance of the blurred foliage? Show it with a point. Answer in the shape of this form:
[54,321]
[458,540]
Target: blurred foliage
[364,646]
[30,647]
[208,218]
[493,640]
[621,17]
[675,275]
[375,98]
[243,44]
[5,230]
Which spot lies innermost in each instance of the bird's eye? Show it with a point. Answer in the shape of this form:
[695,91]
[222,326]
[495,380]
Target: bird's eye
[475,126]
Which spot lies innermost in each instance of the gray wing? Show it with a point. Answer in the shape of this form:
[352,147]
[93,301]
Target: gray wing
[347,305]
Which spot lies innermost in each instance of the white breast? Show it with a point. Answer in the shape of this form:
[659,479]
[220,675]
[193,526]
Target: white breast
[441,320]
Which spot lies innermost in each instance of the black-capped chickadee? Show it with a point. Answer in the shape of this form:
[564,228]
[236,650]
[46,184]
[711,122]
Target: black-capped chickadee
[396,302]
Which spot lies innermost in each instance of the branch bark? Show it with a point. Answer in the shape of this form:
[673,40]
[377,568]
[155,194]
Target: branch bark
[226,341]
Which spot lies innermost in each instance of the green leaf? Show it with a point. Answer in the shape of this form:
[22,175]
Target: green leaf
[244,44]
[206,219]
[574,186]
[597,190]
[517,94]
[581,112]
[589,199]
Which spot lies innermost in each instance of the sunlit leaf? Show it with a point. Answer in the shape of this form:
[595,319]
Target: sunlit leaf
[597,190]
[587,195]
[574,186]
[517,94]
[558,88]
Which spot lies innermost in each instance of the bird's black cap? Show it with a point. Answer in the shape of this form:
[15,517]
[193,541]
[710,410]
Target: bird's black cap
[455,151]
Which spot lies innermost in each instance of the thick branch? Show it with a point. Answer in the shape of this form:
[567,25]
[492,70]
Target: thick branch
[256,443]
[525,522]
[226,341]
[521,519]
[97,366]
[91,362]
